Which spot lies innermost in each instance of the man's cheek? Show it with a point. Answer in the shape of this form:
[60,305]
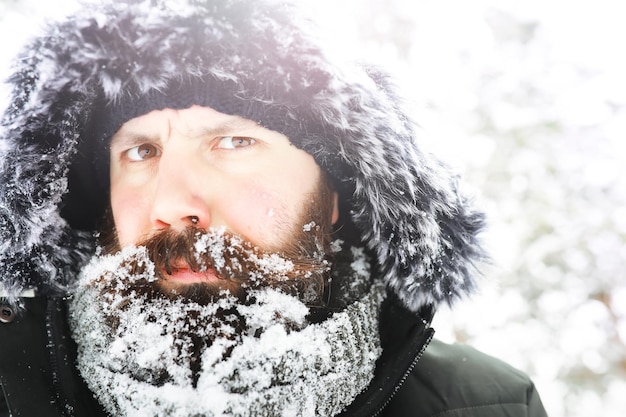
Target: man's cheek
[262,216]
[130,216]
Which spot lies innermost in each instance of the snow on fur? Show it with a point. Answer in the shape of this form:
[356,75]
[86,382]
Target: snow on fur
[257,59]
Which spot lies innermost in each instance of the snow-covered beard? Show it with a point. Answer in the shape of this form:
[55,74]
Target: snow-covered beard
[255,354]
[302,268]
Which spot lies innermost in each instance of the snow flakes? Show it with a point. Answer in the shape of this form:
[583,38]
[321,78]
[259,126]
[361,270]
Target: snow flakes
[216,245]
[335,245]
[309,226]
[360,264]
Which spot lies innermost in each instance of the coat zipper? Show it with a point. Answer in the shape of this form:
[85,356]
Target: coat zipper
[6,399]
[405,376]
[65,408]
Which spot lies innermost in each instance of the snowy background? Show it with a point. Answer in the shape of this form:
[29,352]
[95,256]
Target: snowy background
[527,100]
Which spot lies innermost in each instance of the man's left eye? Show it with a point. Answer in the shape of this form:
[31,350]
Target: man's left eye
[234,142]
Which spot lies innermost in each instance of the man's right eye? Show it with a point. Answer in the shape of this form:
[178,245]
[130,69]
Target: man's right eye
[142,152]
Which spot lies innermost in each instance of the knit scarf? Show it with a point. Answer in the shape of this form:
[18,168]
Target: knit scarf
[278,364]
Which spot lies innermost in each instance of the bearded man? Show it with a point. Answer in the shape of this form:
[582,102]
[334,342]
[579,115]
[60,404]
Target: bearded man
[204,214]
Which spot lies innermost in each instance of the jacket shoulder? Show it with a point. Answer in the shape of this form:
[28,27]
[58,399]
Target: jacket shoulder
[457,380]
[37,372]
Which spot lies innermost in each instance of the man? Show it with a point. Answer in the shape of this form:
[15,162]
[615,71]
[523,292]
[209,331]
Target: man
[271,238]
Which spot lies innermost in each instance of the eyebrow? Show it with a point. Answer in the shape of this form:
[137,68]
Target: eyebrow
[131,138]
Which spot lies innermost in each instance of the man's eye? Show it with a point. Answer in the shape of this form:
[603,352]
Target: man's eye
[142,152]
[234,142]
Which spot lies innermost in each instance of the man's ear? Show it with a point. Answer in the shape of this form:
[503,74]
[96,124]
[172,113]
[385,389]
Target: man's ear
[335,215]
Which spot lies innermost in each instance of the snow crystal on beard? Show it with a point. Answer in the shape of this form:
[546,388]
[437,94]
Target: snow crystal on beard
[150,356]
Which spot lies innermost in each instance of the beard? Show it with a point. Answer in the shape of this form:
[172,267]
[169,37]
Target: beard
[131,290]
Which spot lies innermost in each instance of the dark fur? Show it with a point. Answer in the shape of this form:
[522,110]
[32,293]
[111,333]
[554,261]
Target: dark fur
[260,62]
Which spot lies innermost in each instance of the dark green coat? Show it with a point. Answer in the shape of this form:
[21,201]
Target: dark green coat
[458,381]
[38,378]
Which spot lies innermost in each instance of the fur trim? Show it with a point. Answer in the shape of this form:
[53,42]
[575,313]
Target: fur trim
[402,202]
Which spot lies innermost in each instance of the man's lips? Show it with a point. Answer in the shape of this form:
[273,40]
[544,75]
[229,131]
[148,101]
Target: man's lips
[185,275]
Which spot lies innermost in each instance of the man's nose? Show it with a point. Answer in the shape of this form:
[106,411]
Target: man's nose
[178,199]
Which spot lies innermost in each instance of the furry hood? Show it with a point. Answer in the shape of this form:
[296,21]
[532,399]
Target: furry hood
[257,59]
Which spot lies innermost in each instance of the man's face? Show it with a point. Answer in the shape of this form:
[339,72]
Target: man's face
[171,169]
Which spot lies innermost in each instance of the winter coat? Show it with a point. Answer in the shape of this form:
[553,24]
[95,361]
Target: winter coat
[78,82]
[413,377]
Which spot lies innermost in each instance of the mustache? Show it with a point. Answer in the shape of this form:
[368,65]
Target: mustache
[229,256]
[301,269]
[171,250]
